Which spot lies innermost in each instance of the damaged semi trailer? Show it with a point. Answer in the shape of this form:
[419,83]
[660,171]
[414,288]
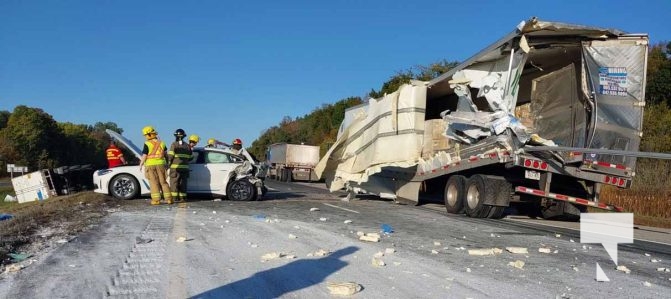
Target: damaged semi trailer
[543,118]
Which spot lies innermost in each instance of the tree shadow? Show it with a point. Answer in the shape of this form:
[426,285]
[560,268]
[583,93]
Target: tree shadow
[275,282]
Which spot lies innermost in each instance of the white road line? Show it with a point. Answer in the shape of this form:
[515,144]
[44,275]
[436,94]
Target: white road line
[337,207]
[576,230]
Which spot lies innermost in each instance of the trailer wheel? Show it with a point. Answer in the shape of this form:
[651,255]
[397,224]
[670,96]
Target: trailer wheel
[495,212]
[288,174]
[477,193]
[454,194]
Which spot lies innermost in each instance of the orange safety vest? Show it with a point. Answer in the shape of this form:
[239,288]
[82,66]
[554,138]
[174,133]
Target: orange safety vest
[156,155]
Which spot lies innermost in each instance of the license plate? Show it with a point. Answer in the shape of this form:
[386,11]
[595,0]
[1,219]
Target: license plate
[533,175]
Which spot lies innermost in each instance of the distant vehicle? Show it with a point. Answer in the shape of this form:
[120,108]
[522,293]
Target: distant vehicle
[290,162]
[214,171]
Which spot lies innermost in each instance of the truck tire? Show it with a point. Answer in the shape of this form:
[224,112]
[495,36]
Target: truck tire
[455,191]
[124,186]
[240,190]
[495,212]
[288,175]
[502,190]
[561,210]
[478,191]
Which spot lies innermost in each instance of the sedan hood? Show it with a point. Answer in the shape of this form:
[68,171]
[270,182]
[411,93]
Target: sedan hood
[127,143]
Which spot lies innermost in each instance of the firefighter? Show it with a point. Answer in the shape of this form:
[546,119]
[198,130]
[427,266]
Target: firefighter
[193,140]
[237,146]
[213,143]
[153,157]
[179,156]
[114,156]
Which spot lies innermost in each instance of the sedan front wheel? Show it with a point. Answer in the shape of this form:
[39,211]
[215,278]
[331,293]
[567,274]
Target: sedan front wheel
[124,186]
[240,190]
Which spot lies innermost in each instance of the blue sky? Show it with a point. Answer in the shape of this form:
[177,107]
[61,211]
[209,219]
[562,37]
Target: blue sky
[230,69]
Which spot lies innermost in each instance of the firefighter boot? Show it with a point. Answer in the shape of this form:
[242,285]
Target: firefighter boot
[155,202]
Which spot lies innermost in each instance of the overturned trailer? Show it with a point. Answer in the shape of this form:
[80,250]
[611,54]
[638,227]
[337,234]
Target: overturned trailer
[547,115]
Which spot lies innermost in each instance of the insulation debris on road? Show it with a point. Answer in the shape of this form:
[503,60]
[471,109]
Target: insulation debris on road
[343,288]
[517,264]
[544,250]
[314,209]
[623,268]
[517,250]
[376,262]
[485,251]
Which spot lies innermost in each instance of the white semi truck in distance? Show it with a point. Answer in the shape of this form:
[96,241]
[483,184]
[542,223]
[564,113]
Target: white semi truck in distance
[292,162]
[544,117]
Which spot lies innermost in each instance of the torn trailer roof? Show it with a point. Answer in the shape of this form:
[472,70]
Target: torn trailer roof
[546,83]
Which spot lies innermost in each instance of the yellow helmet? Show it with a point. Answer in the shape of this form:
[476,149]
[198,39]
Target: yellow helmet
[194,138]
[148,130]
[210,141]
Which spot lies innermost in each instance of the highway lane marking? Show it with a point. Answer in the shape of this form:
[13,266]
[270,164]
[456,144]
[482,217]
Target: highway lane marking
[337,207]
[532,223]
[176,260]
[573,229]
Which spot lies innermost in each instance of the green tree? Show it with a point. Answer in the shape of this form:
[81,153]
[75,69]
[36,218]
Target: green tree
[4,118]
[31,138]
[658,88]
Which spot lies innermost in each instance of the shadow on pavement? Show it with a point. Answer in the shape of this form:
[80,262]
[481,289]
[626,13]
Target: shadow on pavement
[276,282]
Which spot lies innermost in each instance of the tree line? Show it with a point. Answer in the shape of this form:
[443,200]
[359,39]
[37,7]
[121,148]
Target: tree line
[31,137]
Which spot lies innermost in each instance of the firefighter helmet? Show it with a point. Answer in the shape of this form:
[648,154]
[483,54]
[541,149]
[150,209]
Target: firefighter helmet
[237,141]
[194,138]
[148,130]
[179,133]
[211,141]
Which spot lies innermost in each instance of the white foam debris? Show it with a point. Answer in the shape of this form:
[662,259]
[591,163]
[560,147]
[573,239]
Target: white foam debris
[272,256]
[343,288]
[314,209]
[517,250]
[485,251]
[397,263]
[389,250]
[663,270]
[254,246]
[647,284]
[572,241]
[347,221]
[517,264]
[181,240]
[434,251]
[468,270]
[544,250]
[378,254]
[647,254]
[290,256]
[322,219]
[436,243]
[214,212]
[292,236]
[557,236]
[376,262]
[623,268]
[654,261]
[322,252]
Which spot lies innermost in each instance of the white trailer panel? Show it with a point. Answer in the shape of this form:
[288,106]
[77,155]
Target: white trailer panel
[294,155]
[33,186]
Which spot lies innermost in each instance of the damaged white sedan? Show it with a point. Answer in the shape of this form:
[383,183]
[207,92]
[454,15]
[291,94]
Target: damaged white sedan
[213,171]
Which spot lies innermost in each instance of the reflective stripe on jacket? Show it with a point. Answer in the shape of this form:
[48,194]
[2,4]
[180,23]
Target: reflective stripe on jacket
[179,155]
[156,155]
